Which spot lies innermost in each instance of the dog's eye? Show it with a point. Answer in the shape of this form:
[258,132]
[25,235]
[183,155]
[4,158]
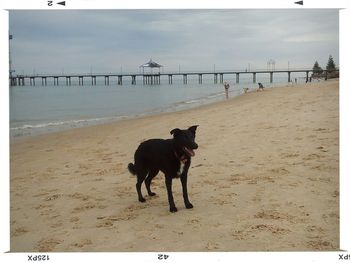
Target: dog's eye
[189,136]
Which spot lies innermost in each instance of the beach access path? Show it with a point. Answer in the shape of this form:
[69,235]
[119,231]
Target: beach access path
[265,178]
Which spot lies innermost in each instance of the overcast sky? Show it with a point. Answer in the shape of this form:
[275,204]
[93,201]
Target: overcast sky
[111,41]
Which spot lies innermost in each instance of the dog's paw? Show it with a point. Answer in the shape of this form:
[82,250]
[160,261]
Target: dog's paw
[142,200]
[189,205]
[173,209]
[151,194]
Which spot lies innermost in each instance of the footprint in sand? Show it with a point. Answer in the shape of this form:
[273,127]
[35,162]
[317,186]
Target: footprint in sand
[271,228]
[320,245]
[321,130]
[84,207]
[82,243]
[126,214]
[47,244]
[79,196]
[19,231]
[314,229]
[212,246]
[104,223]
[53,197]
[312,156]
[74,219]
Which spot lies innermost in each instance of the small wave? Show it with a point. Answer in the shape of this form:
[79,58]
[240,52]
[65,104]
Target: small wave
[192,101]
[215,95]
[80,122]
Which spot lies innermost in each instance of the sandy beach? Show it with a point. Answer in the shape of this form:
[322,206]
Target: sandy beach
[265,178]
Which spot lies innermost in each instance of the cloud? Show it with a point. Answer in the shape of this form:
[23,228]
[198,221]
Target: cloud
[195,39]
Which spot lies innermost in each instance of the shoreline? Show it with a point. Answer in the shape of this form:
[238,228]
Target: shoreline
[62,126]
[267,168]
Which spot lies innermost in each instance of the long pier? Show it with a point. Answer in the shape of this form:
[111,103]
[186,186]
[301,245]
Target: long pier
[150,79]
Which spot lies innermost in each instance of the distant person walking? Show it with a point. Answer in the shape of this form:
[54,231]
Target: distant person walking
[226,86]
[261,87]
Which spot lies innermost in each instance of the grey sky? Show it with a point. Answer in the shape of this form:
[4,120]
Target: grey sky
[106,41]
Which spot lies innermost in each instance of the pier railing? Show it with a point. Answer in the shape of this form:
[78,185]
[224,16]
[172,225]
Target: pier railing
[155,78]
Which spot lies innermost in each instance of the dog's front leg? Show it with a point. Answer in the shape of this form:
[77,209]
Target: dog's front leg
[168,182]
[184,190]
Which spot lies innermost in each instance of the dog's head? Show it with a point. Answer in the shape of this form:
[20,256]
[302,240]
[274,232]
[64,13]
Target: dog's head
[184,141]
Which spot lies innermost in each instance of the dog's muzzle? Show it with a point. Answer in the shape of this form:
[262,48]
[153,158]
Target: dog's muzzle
[189,151]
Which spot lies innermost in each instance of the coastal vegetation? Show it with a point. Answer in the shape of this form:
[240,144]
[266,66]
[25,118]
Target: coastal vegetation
[330,72]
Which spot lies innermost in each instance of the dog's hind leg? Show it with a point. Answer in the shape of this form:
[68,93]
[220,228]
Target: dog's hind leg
[152,173]
[141,175]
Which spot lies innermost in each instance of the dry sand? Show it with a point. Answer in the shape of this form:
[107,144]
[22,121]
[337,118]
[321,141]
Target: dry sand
[265,178]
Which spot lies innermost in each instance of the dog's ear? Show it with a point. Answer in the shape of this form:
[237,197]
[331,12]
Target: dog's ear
[193,129]
[175,132]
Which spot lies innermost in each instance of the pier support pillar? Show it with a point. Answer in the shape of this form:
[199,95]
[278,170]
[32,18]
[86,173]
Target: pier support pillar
[185,78]
[307,76]
[221,78]
[106,80]
[237,78]
[170,79]
[81,80]
[200,78]
[32,81]
[93,80]
[55,81]
[43,81]
[271,77]
[254,77]
[133,80]
[120,80]
[12,81]
[288,76]
[215,78]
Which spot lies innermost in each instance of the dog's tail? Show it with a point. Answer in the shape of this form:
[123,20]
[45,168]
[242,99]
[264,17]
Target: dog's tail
[131,168]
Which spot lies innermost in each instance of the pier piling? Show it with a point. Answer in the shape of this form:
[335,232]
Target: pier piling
[133,80]
[221,78]
[106,80]
[170,79]
[185,78]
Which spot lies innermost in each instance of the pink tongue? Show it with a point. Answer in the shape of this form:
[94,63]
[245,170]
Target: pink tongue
[191,152]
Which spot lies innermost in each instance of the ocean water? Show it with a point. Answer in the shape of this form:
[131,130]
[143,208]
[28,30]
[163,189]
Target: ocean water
[42,109]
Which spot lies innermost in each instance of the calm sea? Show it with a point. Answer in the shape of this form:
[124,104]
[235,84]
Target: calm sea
[43,109]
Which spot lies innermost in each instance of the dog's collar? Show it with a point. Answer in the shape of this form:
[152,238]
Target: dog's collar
[183,158]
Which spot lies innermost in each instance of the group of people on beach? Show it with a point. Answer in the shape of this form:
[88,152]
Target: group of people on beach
[227,86]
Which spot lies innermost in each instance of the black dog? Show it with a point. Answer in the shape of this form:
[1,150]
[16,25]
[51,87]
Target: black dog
[171,156]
